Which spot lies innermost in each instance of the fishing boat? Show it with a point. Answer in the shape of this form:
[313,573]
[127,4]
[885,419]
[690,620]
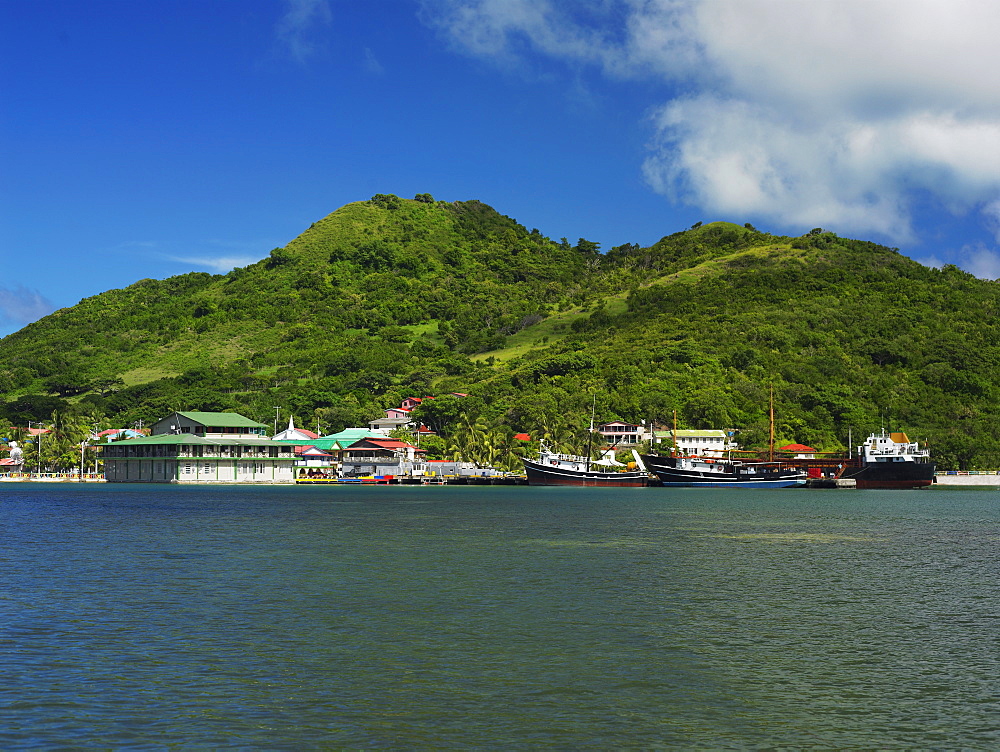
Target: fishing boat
[723,472]
[710,472]
[890,460]
[554,469]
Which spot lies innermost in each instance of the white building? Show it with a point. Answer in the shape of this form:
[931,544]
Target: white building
[703,442]
[201,447]
[623,434]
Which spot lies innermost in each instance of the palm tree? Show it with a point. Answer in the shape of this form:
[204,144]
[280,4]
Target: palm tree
[471,437]
[69,430]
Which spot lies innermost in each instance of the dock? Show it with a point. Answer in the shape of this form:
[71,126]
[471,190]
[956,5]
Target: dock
[396,480]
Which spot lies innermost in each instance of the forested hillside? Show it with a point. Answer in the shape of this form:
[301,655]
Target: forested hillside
[390,298]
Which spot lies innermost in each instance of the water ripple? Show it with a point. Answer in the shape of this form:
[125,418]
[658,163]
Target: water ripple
[413,618]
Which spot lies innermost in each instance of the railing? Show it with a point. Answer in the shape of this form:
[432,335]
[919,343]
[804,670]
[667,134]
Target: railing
[52,476]
[969,472]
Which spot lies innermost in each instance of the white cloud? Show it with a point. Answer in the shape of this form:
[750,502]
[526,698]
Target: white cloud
[991,211]
[931,261]
[372,64]
[296,27]
[218,264]
[22,306]
[981,261]
[804,112]
[218,256]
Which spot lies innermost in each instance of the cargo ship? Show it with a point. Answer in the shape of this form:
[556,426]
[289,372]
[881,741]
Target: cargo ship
[890,460]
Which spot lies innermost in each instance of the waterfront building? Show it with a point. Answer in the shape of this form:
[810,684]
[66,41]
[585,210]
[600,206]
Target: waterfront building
[201,447]
[623,434]
[701,442]
[374,456]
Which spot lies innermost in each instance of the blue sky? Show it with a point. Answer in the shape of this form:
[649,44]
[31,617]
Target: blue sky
[151,138]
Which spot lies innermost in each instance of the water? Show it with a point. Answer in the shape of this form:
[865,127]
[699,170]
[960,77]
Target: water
[497,617]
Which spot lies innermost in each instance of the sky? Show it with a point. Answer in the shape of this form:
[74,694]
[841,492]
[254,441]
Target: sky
[149,138]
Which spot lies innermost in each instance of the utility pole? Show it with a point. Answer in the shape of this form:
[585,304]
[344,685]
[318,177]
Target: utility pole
[277,410]
[38,444]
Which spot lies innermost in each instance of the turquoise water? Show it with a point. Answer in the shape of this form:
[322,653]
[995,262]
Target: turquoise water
[430,618]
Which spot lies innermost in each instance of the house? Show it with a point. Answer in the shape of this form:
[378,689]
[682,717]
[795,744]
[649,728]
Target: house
[801,451]
[411,402]
[705,442]
[620,433]
[312,460]
[376,456]
[200,447]
[399,417]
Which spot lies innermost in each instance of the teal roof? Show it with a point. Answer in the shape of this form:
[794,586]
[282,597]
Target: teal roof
[325,444]
[222,420]
[350,435]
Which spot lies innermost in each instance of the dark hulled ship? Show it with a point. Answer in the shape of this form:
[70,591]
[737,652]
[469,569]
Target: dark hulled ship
[709,472]
[890,461]
[554,469]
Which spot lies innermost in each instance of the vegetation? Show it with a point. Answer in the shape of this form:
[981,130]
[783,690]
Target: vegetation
[390,298]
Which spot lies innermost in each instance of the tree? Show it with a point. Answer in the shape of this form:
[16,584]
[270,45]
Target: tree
[70,429]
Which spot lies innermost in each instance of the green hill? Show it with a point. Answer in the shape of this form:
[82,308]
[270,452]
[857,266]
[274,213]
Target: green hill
[389,298]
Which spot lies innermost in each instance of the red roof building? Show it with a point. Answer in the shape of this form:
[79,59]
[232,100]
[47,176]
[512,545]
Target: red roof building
[801,451]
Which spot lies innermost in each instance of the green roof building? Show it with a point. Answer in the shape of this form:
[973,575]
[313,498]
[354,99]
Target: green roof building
[209,424]
[200,447]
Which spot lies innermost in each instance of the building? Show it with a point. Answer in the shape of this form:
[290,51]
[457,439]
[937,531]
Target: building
[705,442]
[399,417]
[801,451]
[313,461]
[201,447]
[623,434]
[374,456]
[295,434]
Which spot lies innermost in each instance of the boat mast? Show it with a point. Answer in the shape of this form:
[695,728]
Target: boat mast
[673,449]
[590,434]
[770,451]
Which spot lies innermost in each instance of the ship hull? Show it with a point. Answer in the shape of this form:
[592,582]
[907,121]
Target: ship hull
[720,476]
[543,475]
[892,475]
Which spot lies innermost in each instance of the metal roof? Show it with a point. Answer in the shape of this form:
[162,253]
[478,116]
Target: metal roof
[222,420]
[694,433]
[351,435]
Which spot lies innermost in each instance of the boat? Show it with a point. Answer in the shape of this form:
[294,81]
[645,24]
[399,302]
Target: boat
[723,472]
[711,472]
[554,469]
[890,460]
